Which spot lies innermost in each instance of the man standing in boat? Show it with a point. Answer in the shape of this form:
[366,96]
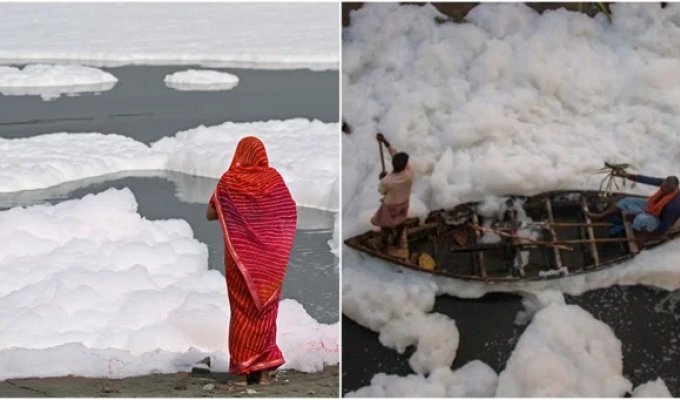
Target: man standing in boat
[396,190]
[652,217]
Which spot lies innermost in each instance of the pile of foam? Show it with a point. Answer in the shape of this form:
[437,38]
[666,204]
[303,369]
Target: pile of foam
[201,80]
[46,160]
[305,152]
[134,298]
[656,388]
[480,114]
[265,35]
[52,81]
[581,358]
[474,379]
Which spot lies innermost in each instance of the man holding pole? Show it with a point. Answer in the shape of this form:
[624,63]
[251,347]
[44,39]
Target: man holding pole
[396,190]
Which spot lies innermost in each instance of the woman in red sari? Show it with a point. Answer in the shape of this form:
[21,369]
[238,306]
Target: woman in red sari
[258,217]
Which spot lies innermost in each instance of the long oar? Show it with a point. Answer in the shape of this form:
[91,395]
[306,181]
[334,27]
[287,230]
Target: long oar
[382,156]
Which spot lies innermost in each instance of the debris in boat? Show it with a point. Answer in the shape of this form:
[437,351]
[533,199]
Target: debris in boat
[457,216]
[425,261]
[553,272]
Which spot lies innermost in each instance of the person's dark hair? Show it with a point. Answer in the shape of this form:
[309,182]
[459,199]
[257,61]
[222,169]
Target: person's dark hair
[399,161]
[673,179]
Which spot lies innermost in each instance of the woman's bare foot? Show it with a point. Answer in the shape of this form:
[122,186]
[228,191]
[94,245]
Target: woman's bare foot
[268,377]
[252,378]
[256,378]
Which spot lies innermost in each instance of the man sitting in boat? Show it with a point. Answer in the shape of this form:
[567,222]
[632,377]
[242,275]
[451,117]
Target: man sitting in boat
[396,190]
[652,217]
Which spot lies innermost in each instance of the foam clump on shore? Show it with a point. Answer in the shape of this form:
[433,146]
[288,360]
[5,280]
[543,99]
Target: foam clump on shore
[134,298]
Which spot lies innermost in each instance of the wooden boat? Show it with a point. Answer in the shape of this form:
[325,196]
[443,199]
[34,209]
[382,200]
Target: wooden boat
[545,236]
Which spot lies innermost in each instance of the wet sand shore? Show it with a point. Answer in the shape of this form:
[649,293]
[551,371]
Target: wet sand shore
[290,384]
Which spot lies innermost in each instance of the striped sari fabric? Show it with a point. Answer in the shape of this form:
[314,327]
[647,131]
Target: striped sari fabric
[258,217]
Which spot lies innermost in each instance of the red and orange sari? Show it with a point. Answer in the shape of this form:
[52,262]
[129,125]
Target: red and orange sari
[258,217]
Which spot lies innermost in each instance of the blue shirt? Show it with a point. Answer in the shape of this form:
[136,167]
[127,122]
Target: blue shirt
[670,213]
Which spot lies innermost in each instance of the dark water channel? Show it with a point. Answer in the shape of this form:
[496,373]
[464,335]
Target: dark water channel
[142,107]
[646,320]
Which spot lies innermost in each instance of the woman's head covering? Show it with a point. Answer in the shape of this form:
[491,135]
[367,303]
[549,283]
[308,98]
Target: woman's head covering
[250,152]
[258,218]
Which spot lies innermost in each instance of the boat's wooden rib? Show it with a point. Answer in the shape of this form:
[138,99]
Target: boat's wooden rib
[553,235]
[591,235]
[630,237]
[479,255]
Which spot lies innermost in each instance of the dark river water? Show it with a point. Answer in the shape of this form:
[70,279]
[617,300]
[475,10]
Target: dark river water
[646,320]
[142,107]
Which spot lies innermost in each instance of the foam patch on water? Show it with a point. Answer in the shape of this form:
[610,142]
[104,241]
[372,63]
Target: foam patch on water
[656,388]
[134,298]
[305,153]
[46,160]
[250,35]
[581,358]
[474,379]
[201,80]
[436,346]
[52,81]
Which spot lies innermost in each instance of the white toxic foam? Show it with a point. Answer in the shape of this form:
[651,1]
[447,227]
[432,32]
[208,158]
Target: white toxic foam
[305,152]
[255,35]
[46,160]
[52,81]
[656,388]
[474,379]
[201,80]
[480,115]
[565,352]
[134,298]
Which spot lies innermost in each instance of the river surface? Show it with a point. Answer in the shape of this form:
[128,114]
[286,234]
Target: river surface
[140,106]
[646,320]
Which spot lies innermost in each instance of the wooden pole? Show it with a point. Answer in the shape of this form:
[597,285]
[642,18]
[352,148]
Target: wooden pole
[553,235]
[561,243]
[382,156]
[591,235]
